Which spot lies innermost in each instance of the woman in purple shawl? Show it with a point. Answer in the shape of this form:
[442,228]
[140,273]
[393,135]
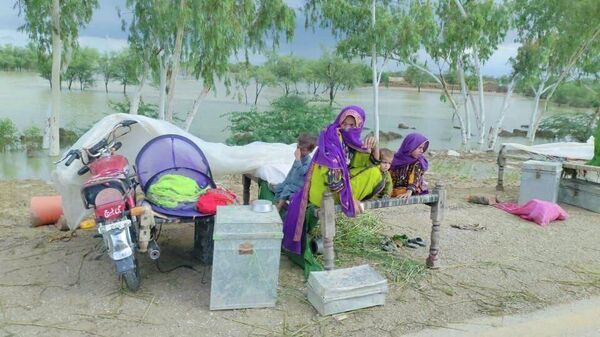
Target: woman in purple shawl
[342,164]
[409,166]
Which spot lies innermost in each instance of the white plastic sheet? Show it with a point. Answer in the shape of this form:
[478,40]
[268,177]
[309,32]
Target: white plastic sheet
[268,161]
[566,150]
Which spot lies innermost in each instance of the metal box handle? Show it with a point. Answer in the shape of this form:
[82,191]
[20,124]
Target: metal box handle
[246,248]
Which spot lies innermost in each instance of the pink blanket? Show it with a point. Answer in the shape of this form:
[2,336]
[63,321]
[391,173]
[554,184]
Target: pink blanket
[539,211]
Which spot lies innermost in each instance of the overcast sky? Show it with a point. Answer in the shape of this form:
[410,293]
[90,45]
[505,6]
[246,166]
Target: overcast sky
[104,33]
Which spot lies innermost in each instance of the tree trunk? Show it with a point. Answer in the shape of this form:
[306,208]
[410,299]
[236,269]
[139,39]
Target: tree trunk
[536,107]
[192,114]
[444,86]
[481,101]
[463,129]
[331,94]
[465,97]
[106,85]
[375,77]
[498,126]
[259,88]
[175,65]
[54,140]
[137,96]
[162,86]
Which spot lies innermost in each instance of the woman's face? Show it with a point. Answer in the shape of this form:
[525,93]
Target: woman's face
[348,123]
[418,151]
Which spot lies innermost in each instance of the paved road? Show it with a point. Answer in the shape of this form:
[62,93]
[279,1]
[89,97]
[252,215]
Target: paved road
[577,319]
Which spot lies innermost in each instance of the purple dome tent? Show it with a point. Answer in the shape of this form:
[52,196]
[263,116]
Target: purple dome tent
[173,154]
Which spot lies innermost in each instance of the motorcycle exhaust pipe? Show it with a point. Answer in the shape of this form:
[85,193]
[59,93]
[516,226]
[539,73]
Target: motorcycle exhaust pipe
[153,250]
[317,246]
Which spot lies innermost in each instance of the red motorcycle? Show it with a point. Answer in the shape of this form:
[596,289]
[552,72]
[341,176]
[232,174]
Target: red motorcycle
[110,192]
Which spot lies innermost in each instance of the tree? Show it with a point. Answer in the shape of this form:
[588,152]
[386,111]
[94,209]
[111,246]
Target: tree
[16,58]
[288,70]
[50,25]
[335,73]
[378,30]
[483,26]
[151,35]
[213,40]
[242,75]
[126,69]
[83,67]
[263,77]
[555,36]
[106,68]
[43,66]
[9,135]
[415,76]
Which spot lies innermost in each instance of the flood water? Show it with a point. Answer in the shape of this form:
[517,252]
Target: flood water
[25,97]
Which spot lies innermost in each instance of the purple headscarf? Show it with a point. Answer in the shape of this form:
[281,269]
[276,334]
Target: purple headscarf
[330,153]
[409,144]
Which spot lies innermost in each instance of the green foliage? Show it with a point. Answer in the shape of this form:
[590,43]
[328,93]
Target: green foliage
[9,135]
[32,138]
[289,116]
[17,58]
[44,66]
[148,110]
[126,69]
[263,77]
[576,125]
[213,39]
[596,159]
[82,68]
[415,76]
[38,24]
[107,68]
[335,73]
[288,70]
[69,136]
[578,94]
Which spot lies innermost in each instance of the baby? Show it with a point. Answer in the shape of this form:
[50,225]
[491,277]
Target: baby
[385,157]
[295,178]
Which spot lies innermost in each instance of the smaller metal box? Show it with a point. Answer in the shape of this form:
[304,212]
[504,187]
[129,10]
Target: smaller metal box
[539,180]
[335,291]
[580,193]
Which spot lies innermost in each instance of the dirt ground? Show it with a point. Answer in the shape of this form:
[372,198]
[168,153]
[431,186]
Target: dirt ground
[68,287]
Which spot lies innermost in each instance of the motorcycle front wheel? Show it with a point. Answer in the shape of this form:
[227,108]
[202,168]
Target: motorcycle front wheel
[132,276]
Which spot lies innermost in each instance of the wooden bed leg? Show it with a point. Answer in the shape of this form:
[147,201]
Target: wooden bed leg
[246,181]
[501,164]
[437,215]
[327,218]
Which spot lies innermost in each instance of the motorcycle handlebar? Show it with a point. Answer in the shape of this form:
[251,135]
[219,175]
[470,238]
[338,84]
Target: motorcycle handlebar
[128,122]
[98,146]
[72,155]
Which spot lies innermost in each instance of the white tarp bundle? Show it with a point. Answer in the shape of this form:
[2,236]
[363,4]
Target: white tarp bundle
[268,161]
[567,150]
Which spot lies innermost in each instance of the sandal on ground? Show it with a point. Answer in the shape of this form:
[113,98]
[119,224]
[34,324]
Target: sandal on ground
[403,240]
[417,241]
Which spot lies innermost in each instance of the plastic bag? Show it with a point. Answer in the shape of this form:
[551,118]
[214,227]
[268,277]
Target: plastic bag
[219,196]
[539,211]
